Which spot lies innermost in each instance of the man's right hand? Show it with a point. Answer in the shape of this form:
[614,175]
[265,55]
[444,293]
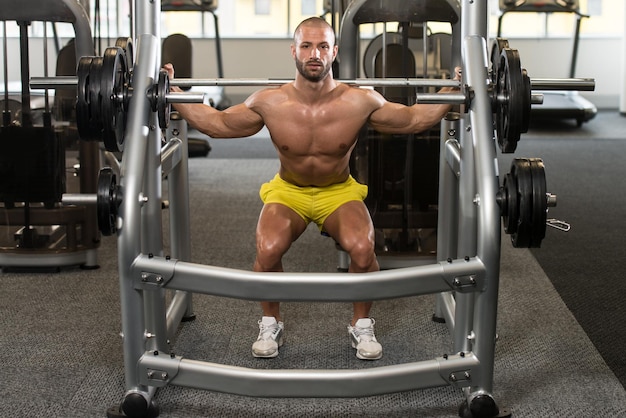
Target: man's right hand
[170,73]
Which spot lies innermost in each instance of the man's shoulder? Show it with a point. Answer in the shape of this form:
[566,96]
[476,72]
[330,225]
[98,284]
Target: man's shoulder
[363,95]
[270,94]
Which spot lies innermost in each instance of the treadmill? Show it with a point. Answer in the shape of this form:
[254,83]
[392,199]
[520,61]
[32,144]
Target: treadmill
[556,104]
[215,93]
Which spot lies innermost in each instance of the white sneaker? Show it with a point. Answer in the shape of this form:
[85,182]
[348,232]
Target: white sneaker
[269,339]
[364,340]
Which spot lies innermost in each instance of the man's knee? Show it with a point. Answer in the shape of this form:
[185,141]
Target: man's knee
[270,250]
[362,254]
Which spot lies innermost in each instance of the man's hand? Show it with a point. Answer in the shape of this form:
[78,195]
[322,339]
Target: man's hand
[170,73]
[458,72]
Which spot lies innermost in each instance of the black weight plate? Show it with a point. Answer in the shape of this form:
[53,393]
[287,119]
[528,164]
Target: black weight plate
[540,202]
[163,107]
[511,215]
[522,172]
[129,54]
[509,100]
[107,201]
[83,117]
[114,76]
[95,98]
[496,50]
[526,106]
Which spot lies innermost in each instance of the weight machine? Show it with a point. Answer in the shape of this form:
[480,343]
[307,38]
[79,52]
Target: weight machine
[465,275]
[32,166]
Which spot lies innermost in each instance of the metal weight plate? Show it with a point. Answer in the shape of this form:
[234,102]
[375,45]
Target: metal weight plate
[83,117]
[521,170]
[129,53]
[509,100]
[114,77]
[107,201]
[163,108]
[540,202]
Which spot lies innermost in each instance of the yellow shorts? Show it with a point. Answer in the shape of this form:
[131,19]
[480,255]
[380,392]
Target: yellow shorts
[313,204]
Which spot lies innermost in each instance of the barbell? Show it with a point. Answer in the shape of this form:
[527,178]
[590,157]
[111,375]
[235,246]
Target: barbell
[104,88]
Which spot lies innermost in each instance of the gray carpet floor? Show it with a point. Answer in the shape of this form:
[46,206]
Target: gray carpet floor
[63,353]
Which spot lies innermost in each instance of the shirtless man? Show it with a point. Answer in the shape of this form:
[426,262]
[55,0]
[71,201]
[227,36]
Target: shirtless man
[314,122]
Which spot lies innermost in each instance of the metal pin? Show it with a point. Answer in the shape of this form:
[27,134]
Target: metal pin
[557,224]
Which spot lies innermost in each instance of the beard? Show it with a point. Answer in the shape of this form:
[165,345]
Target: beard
[313,76]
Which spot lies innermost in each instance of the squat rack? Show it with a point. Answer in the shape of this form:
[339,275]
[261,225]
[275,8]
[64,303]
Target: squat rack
[465,276]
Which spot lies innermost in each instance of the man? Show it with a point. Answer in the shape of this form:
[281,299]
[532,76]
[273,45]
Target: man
[314,122]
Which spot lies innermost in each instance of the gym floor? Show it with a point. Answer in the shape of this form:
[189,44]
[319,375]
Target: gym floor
[561,310]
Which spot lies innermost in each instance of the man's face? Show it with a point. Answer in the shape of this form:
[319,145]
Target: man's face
[314,52]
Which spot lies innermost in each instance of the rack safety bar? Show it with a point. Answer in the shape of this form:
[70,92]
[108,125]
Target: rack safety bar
[159,370]
[459,275]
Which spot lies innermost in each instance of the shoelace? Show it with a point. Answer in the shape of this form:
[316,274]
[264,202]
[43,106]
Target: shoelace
[365,334]
[268,331]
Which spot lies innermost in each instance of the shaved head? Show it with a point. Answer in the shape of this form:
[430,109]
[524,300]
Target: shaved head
[315,22]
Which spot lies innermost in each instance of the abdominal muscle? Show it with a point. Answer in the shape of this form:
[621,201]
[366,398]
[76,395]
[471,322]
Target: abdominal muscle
[314,170]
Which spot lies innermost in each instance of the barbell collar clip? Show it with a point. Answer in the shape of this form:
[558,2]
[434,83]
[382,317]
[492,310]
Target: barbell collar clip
[557,224]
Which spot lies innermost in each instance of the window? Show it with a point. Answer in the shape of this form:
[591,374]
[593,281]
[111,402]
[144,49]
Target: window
[605,17]
[278,18]
[262,7]
[309,7]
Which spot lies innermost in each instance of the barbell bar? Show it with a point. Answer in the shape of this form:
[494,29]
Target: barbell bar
[580,84]
[70,82]
[577,84]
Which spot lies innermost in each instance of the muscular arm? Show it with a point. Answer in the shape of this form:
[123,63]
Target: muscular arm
[236,121]
[395,118]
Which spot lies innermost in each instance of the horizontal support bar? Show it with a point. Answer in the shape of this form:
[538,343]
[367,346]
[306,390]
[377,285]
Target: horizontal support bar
[160,370]
[185,97]
[440,98]
[459,275]
[79,199]
[56,82]
[575,84]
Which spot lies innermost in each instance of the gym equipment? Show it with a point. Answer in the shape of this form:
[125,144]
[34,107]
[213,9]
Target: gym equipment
[524,202]
[219,98]
[104,92]
[556,104]
[45,235]
[464,277]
